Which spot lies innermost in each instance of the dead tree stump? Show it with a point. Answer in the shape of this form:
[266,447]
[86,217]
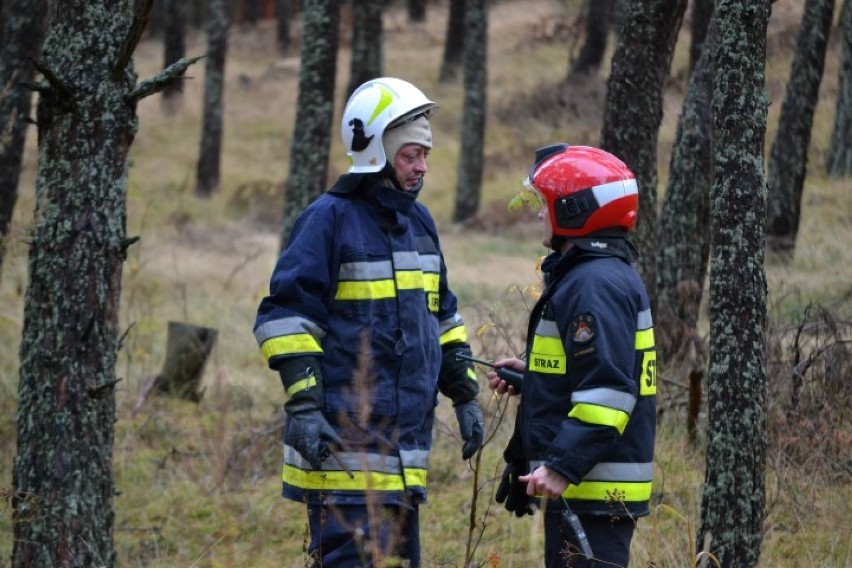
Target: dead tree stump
[187,350]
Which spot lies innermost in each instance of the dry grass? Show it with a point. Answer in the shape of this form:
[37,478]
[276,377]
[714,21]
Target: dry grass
[200,483]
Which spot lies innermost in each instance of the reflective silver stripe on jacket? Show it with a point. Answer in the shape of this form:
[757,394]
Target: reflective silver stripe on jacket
[430,263]
[614,471]
[288,326]
[407,260]
[446,325]
[380,270]
[610,398]
[362,461]
[547,328]
[644,320]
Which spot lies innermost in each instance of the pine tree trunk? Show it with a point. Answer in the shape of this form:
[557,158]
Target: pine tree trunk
[366,60]
[210,148]
[251,12]
[454,43]
[634,109]
[63,482]
[314,110]
[839,164]
[684,224]
[788,159]
[22,29]
[733,501]
[702,11]
[598,20]
[174,48]
[469,185]
[283,15]
[416,11]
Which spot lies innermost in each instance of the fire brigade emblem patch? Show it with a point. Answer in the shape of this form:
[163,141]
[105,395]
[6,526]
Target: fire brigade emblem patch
[583,328]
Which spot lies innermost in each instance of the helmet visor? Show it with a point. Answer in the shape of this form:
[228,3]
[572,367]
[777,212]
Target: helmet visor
[425,110]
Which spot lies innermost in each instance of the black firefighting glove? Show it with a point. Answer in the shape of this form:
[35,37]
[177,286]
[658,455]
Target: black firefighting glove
[513,492]
[307,429]
[457,381]
[471,426]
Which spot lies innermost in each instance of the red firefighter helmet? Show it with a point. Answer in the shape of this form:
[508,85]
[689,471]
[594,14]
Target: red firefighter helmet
[588,192]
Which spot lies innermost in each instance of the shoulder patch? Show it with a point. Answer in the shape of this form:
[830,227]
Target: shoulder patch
[583,328]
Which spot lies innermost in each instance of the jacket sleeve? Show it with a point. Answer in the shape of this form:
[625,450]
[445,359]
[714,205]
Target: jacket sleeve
[598,332]
[292,320]
[452,331]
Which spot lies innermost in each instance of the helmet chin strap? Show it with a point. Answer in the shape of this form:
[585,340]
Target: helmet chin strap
[558,243]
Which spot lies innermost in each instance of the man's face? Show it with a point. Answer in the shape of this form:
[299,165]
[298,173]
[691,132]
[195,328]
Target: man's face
[410,165]
[546,228]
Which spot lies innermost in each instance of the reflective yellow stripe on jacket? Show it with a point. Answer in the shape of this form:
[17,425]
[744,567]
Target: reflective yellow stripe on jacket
[612,482]
[369,471]
[289,336]
[548,351]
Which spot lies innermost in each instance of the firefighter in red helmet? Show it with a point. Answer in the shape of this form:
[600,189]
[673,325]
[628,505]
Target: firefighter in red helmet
[583,443]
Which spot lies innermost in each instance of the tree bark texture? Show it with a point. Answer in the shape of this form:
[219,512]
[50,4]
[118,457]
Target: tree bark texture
[454,43]
[210,147]
[469,184]
[788,159]
[314,110]
[839,164]
[63,480]
[366,60]
[733,499]
[22,25]
[598,21]
[702,10]
[634,109]
[174,48]
[684,224]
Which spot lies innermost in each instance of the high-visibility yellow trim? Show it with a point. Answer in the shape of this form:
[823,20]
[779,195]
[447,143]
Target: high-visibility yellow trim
[431,282]
[551,364]
[645,339]
[471,374]
[544,345]
[433,301]
[648,378]
[290,344]
[360,480]
[366,290]
[455,334]
[385,99]
[594,414]
[410,280]
[415,477]
[610,491]
[302,385]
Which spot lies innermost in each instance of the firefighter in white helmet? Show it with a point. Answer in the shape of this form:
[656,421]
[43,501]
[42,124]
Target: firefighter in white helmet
[583,444]
[363,329]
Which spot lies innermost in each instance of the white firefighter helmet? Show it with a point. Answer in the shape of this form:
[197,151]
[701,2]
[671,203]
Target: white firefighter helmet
[374,107]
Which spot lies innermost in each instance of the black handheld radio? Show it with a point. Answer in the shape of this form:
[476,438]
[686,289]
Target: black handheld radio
[513,378]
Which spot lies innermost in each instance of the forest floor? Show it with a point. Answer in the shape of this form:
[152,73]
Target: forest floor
[200,483]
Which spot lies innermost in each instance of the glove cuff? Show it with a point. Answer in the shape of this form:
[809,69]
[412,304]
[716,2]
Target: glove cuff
[302,380]
[457,379]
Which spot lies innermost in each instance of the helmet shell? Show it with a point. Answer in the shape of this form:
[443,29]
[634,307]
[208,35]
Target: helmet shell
[372,108]
[588,191]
